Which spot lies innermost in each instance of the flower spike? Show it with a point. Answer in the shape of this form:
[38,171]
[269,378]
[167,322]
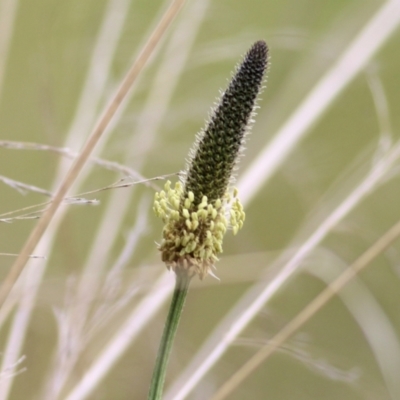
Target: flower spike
[198,211]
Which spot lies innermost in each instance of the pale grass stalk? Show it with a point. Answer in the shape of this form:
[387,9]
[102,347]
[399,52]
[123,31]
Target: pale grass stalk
[16,255]
[71,340]
[12,370]
[20,322]
[357,55]
[97,78]
[6,310]
[36,214]
[23,187]
[374,34]
[70,179]
[78,200]
[24,209]
[375,324]
[100,65]
[112,284]
[172,66]
[382,110]
[140,229]
[309,311]
[8,11]
[144,312]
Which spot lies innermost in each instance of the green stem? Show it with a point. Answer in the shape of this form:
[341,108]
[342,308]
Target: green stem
[171,325]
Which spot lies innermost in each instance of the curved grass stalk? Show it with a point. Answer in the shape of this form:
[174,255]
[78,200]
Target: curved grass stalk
[372,37]
[372,318]
[308,312]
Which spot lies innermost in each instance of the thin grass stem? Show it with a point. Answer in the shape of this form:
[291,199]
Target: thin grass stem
[171,325]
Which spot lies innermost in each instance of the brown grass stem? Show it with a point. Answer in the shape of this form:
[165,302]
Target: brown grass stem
[308,312]
[80,162]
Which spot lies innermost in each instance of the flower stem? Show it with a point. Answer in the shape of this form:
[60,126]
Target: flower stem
[175,310]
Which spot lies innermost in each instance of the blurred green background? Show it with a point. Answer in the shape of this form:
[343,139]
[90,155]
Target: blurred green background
[60,64]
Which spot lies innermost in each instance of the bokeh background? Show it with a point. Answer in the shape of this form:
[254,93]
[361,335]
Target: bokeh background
[60,63]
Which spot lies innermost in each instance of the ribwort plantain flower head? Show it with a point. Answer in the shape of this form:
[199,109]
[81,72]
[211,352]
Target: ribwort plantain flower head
[198,211]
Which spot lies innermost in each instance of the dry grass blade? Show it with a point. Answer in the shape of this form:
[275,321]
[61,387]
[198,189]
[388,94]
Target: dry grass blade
[75,200]
[23,187]
[36,214]
[308,312]
[123,184]
[79,163]
[66,152]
